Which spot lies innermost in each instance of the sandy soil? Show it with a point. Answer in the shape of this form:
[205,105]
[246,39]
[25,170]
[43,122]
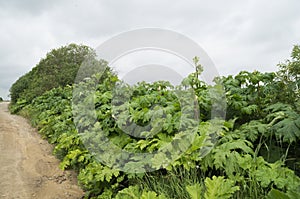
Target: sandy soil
[27,167]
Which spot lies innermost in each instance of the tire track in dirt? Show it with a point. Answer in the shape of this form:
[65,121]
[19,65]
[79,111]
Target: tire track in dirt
[27,167]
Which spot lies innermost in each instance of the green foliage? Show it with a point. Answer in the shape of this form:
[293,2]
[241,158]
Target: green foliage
[195,191]
[172,184]
[133,192]
[58,69]
[276,194]
[219,188]
[253,153]
[96,178]
[289,74]
[285,122]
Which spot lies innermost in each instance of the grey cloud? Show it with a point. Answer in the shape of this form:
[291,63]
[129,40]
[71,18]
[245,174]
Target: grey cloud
[32,7]
[237,35]
[258,36]
[151,73]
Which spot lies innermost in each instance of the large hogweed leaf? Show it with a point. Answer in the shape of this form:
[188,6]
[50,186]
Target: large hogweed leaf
[219,188]
[284,122]
[195,191]
[134,192]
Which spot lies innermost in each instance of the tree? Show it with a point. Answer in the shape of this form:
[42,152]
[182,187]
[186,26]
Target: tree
[57,69]
[289,74]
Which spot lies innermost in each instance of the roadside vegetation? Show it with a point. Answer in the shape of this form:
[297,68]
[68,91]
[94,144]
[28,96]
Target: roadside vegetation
[255,148]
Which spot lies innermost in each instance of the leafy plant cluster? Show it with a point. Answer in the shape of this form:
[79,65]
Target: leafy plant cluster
[252,153]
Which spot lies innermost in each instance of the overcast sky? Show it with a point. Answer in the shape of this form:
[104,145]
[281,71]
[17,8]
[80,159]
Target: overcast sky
[237,35]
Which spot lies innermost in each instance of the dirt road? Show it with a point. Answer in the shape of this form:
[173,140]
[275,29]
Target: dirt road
[27,167]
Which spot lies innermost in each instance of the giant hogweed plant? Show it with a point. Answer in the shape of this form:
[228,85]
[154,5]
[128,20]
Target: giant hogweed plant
[256,142]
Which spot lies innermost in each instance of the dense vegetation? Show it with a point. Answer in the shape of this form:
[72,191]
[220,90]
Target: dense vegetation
[256,154]
[1,99]
[57,69]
